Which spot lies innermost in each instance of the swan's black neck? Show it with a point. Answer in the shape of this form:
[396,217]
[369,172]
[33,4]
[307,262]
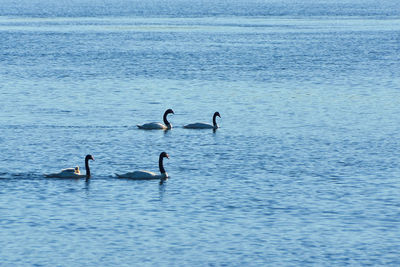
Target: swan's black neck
[166,122]
[160,164]
[215,121]
[87,168]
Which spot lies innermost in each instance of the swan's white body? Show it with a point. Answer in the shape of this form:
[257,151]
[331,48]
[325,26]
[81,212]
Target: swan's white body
[143,175]
[200,125]
[157,125]
[73,172]
[154,126]
[146,175]
[203,125]
[66,173]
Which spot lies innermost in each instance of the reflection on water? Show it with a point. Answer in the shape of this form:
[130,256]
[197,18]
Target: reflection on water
[162,188]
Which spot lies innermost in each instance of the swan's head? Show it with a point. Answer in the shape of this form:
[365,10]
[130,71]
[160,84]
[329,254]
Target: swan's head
[89,157]
[216,114]
[168,111]
[164,155]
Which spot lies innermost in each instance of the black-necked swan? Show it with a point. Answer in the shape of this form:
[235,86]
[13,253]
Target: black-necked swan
[73,172]
[146,175]
[157,125]
[202,125]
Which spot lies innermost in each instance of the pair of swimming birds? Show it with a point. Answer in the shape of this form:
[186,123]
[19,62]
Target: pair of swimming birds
[138,175]
[167,125]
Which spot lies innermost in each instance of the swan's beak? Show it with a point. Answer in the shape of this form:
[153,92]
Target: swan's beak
[93,158]
[167,156]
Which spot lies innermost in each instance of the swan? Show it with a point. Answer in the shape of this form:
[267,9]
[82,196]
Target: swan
[157,125]
[73,172]
[202,125]
[146,175]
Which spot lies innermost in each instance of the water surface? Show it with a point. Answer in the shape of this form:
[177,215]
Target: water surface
[303,171]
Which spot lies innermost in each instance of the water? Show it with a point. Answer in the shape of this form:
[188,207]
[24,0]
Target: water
[303,171]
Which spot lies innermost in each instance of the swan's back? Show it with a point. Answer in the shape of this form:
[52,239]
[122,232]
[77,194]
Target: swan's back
[65,173]
[199,125]
[142,175]
[152,126]
[68,170]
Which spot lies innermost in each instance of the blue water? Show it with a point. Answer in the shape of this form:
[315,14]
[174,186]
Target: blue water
[303,171]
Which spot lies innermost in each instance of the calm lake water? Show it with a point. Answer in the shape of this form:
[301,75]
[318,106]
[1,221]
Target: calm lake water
[303,171]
